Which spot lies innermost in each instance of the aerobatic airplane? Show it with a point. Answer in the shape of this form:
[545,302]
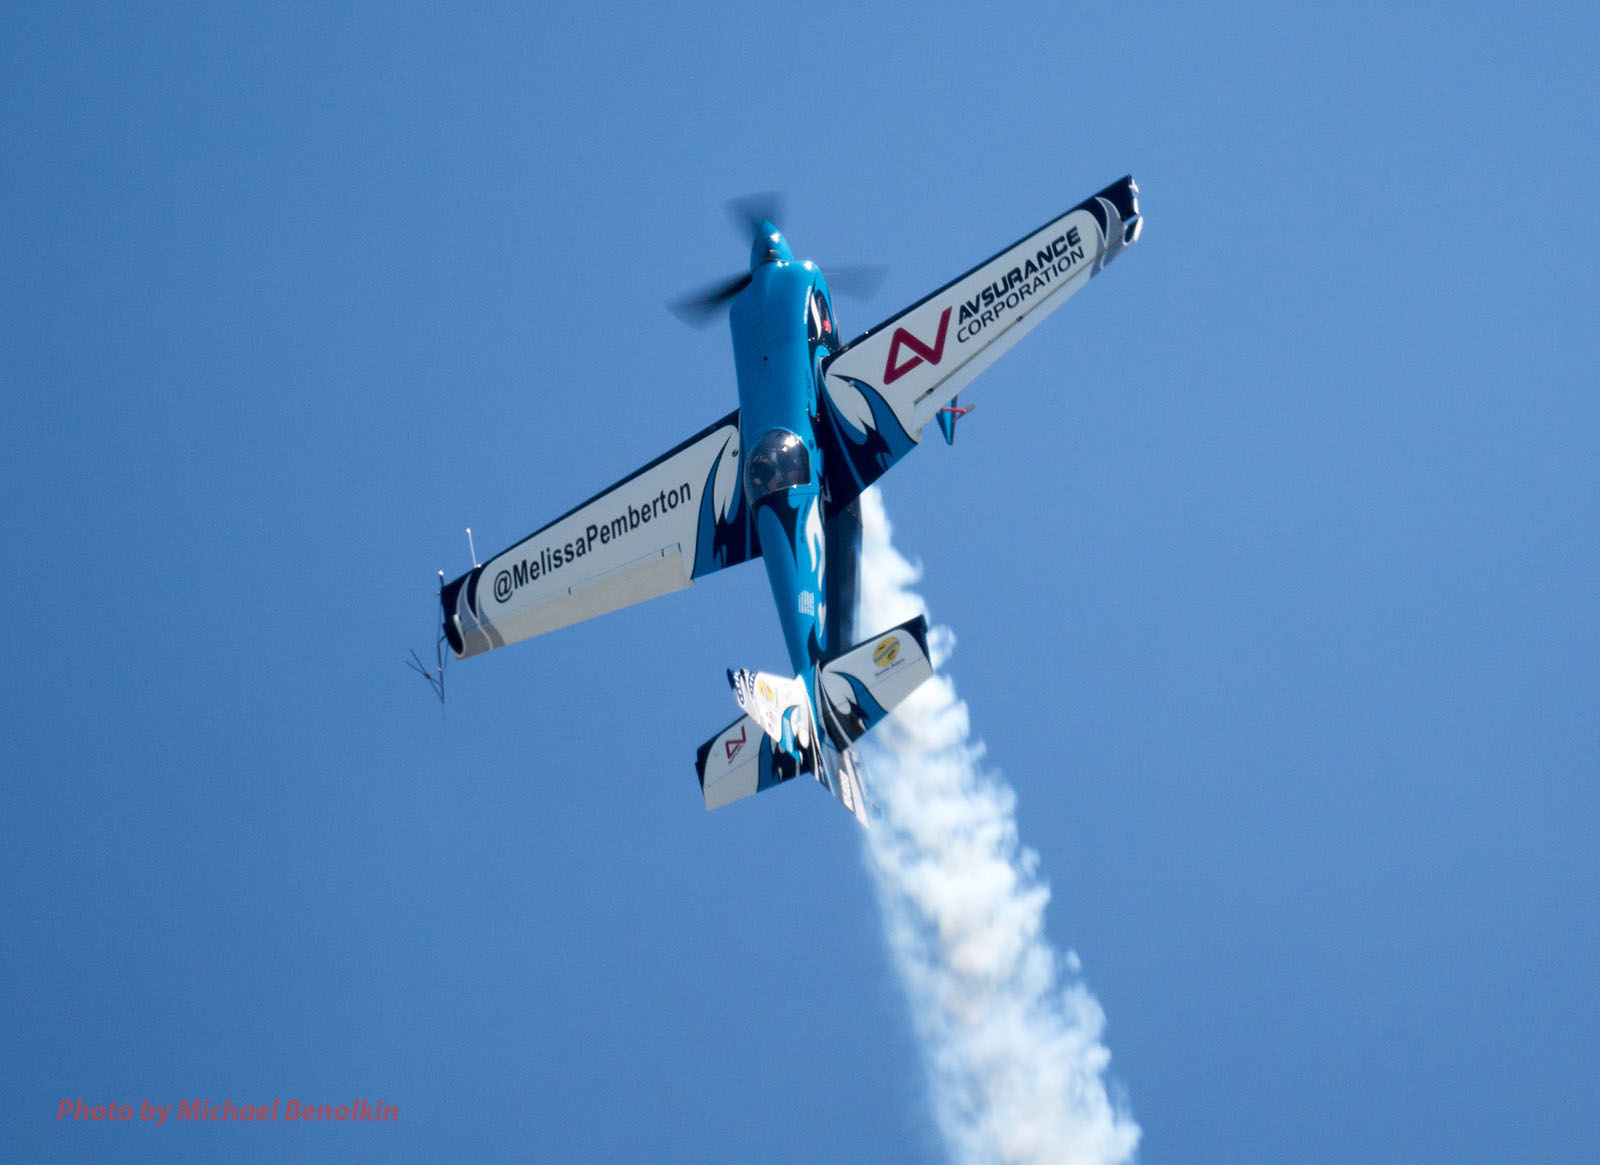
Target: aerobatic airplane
[818,421]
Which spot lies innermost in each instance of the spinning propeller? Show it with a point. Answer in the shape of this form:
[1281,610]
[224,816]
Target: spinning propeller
[751,214]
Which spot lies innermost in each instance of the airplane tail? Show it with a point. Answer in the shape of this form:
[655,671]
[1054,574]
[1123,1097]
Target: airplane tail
[777,738]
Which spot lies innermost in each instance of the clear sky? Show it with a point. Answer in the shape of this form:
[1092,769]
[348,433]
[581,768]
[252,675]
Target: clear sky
[1271,559]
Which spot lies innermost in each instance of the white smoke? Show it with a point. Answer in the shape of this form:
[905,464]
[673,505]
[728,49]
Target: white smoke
[1011,1038]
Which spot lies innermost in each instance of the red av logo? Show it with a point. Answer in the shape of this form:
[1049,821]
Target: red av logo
[733,746]
[919,351]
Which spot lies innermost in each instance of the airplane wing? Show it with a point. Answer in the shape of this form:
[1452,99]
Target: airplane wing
[883,386]
[680,517]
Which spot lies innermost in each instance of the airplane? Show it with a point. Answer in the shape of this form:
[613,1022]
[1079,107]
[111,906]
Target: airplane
[779,479]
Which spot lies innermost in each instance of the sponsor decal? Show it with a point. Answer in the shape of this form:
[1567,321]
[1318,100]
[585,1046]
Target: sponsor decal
[920,351]
[1024,281]
[808,603]
[551,558]
[734,746]
[766,691]
[887,651]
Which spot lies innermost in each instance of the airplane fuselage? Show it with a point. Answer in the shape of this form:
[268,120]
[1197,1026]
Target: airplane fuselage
[778,339]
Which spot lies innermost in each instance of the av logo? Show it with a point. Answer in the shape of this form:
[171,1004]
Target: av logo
[920,351]
[733,746]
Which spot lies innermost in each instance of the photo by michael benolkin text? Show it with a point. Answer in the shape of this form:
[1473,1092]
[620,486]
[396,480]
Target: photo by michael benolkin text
[359,1109]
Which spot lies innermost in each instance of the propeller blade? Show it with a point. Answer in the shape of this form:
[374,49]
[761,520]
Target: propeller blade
[749,212]
[858,282]
[699,308]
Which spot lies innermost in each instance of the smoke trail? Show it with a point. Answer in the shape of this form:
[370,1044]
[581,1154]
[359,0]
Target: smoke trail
[1014,1058]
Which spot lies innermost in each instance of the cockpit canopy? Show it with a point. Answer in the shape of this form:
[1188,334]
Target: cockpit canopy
[778,461]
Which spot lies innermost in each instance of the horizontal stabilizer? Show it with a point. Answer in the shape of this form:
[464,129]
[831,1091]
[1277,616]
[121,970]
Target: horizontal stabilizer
[741,760]
[862,686]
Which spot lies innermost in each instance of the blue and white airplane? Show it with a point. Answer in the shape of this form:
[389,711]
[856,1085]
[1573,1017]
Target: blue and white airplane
[818,421]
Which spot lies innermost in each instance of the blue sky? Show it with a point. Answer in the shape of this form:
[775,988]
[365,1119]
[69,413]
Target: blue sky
[1271,557]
